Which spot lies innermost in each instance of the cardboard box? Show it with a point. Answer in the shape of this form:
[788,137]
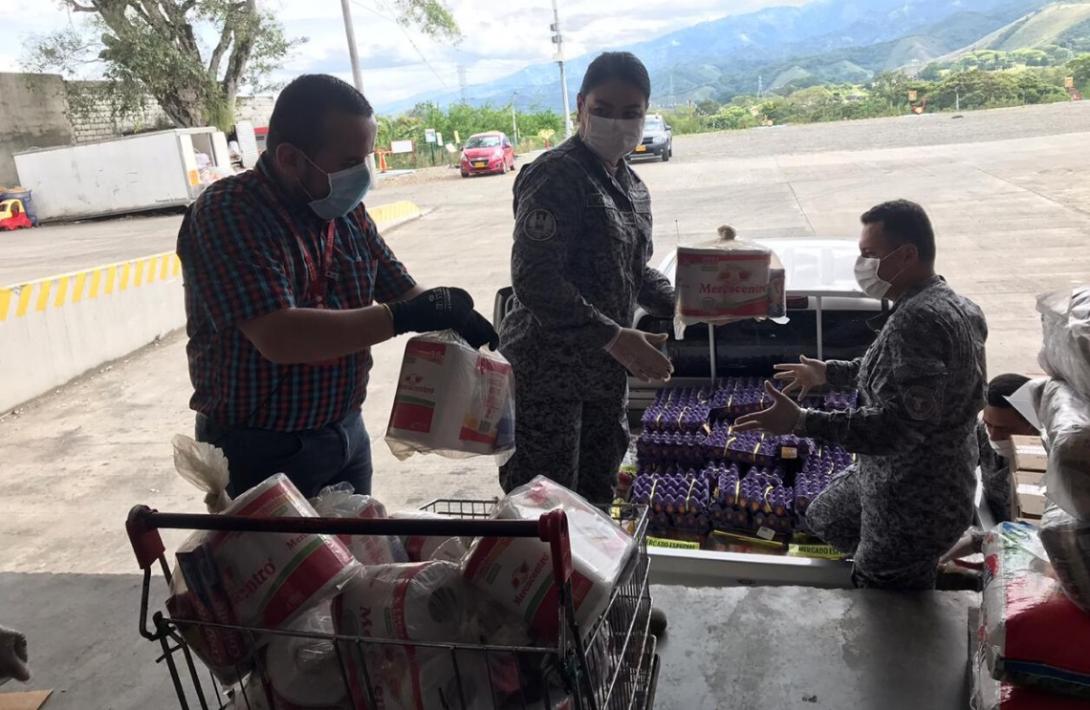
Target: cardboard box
[1029,453]
[1031,500]
[1030,478]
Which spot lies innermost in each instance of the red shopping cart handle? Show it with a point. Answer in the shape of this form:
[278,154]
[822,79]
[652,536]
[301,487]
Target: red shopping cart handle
[143,527]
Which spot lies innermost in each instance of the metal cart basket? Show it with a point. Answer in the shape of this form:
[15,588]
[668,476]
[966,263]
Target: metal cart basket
[608,663]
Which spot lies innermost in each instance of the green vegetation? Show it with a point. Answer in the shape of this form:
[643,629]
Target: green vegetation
[536,128]
[966,84]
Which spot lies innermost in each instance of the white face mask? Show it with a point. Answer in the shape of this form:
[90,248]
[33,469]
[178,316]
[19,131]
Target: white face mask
[1003,448]
[612,138]
[866,275]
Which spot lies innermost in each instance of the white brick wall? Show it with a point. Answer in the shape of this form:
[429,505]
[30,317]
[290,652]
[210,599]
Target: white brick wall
[97,121]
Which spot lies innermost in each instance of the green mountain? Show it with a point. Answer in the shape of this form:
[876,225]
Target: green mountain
[1061,24]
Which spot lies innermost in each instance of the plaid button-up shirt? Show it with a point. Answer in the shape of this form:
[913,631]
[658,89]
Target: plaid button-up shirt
[248,250]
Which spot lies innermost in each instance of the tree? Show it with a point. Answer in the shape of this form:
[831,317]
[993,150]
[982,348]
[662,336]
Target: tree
[1080,69]
[153,47]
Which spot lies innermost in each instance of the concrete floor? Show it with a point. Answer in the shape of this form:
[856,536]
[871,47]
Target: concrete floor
[1012,213]
[794,648]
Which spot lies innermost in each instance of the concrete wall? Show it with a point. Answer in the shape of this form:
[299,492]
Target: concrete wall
[255,109]
[33,114]
[57,328]
[94,117]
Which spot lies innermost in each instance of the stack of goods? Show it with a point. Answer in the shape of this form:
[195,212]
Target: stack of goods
[727,280]
[1036,612]
[452,400]
[1032,638]
[699,476]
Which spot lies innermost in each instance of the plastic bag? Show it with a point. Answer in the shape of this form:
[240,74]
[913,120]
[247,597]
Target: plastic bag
[517,572]
[1065,417]
[453,401]
[991,694]
[271,578]
[305,672]
[1033,634]
[727,280]
[422,548]
[340,501]
[423,602]
[1067,541]
[205,467]
[1065,349]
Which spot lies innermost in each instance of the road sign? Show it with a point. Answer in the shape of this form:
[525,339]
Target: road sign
[429,135]
[439,138]
[1069,82]
[913,96]
[400,147]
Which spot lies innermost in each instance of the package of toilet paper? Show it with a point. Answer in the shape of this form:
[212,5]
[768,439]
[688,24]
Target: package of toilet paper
[341,502]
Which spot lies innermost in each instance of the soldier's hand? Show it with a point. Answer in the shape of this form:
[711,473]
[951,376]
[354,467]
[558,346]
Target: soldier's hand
[781,418]
[639,353]
[802,377]
[444,309]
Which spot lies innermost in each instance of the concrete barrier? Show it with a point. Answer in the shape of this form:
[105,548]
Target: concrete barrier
[57,328]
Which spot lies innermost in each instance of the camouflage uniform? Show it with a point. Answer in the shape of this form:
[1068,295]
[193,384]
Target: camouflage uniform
[995,476]
[910,496]
[579,268]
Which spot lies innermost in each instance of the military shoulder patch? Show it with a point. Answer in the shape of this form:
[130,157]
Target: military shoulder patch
[538,225]
[922,403]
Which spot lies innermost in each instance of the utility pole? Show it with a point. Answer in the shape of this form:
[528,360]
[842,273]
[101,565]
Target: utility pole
[357,76]
[760,85]
[514,118]
[462,82]
[558,40]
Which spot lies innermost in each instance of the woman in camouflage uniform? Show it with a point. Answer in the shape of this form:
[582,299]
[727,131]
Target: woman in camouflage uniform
[579,268]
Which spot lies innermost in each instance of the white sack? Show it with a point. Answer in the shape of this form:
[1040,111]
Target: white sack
[1065,349]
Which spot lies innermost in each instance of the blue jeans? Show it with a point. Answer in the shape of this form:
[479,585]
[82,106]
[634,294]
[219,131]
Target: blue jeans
[312,459]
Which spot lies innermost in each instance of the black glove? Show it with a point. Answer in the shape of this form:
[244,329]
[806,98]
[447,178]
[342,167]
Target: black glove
[444,309]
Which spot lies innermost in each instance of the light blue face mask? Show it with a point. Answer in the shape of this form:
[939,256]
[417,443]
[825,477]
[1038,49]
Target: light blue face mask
[347,189]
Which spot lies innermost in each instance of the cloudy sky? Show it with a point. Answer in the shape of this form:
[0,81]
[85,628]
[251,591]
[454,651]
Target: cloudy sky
[499,37]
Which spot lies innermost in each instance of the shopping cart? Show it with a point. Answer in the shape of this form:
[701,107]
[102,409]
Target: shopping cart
[610,665]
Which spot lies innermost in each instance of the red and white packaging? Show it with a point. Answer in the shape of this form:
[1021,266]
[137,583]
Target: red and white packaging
[724,281]
[424,602]
[517,573]
[272,578]
[422,548]
[453,401]
[341,502]
[1032,635]
[991,694]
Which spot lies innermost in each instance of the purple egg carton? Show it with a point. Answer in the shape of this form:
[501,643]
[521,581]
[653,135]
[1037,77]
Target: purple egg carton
[683,409]
[753,448]
[657,447]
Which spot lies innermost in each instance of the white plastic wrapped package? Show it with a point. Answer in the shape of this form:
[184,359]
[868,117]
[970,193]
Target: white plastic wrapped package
[271,578]
[304,672]
[452,400]
[421,678]
[1065,416]
[422,548]
[423,602]
[1067,541]
[518,574]
[1065,350]
[341,502]
[727,280]
[1033,635]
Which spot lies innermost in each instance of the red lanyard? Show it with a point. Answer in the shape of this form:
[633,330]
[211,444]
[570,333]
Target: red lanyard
[318,278]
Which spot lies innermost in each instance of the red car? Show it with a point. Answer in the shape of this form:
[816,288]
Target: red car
[487,154]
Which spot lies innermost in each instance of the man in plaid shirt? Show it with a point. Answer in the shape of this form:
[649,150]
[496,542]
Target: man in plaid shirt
[283,268]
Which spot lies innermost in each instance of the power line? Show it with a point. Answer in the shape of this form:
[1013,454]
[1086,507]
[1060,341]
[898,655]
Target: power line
[408,37]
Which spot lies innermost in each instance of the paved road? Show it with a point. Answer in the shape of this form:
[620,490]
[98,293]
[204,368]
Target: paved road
[1013,217]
